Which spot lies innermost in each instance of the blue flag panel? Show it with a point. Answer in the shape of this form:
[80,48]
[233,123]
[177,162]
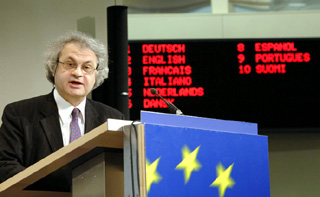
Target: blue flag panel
[197,162]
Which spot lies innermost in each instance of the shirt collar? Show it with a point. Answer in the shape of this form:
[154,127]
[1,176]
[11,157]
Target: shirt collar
[65,108]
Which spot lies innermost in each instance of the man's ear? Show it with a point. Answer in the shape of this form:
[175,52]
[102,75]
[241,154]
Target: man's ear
[54,71]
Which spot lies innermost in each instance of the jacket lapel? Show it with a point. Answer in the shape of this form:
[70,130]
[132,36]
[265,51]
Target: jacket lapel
[92,116]
[50,123]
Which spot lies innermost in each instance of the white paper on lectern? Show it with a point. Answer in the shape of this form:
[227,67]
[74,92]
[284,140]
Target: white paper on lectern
[116,124]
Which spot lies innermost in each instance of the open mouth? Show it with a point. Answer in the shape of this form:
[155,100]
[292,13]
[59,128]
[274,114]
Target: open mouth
[75,83]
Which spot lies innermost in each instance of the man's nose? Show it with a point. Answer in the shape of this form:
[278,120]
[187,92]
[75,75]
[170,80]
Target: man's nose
[78,71]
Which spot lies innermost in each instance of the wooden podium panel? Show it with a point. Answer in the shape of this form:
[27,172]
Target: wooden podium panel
[99,137]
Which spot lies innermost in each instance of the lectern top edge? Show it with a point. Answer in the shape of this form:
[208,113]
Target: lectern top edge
[199,122]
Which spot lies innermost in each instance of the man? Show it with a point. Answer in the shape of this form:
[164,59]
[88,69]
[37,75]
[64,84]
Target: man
[34,128]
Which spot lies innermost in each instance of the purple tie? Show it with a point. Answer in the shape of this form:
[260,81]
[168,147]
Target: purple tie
[74,126]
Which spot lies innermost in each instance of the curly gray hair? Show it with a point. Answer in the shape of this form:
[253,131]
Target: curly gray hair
[54,49]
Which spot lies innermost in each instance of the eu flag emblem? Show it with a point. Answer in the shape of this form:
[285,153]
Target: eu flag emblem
[199,162]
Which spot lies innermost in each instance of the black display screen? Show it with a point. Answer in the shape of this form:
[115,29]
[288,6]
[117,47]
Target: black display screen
[272,82]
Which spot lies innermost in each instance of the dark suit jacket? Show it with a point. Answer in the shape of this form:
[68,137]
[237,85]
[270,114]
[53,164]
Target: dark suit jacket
[30,131]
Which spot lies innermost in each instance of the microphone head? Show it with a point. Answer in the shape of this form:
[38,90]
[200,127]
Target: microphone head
[153,91]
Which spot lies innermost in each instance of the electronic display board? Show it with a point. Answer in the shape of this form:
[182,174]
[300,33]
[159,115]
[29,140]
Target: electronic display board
[272,82]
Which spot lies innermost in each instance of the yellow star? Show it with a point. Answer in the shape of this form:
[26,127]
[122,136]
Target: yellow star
[151,172]
[223,180]
[189,162]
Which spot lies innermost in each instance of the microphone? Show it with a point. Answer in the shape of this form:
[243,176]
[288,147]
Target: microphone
[173,109]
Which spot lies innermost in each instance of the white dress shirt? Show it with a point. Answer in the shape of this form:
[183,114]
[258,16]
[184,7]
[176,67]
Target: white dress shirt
[65,117]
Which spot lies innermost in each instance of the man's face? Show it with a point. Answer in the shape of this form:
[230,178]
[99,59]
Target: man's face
[74,85]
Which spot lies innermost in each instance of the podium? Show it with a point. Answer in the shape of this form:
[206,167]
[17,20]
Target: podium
[78,158]
[164,155]
[193,156]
